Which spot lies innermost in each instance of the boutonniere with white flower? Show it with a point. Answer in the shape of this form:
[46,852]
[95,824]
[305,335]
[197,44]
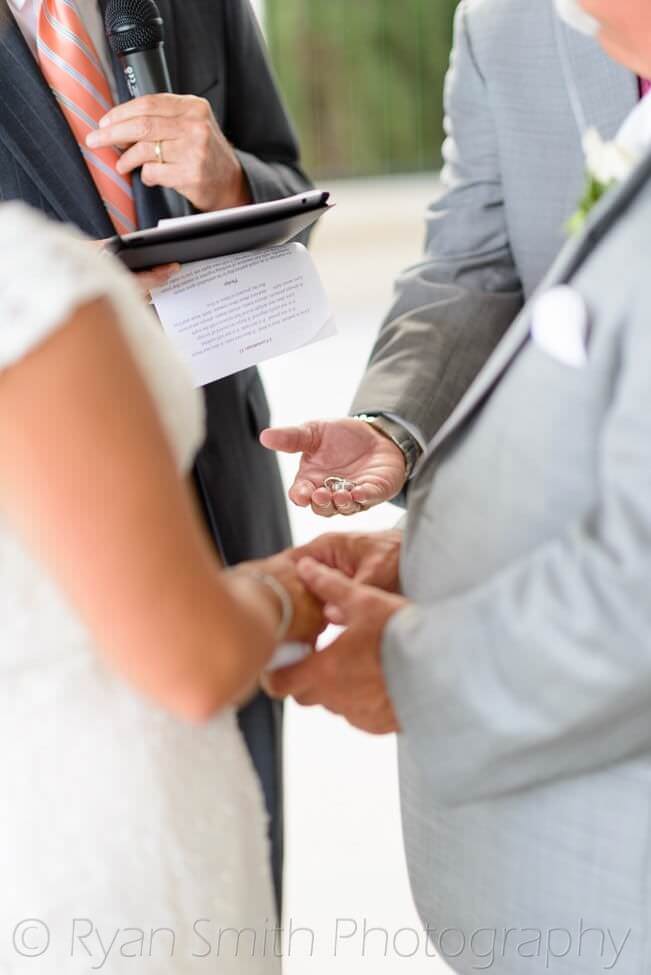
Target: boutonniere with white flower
[608,164]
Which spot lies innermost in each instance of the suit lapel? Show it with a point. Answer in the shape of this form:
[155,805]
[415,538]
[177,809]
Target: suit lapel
[38,136]
[572,257]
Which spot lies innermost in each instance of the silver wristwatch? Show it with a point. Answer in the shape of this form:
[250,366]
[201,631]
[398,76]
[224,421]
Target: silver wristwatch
[398,435]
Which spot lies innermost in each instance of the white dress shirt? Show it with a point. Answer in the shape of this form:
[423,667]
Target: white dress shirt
[635,134]
[27,12]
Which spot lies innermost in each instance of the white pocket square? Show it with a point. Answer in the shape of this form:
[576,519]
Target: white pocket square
[560,325]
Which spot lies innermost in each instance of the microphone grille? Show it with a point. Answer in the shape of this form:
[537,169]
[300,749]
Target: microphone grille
[133,25]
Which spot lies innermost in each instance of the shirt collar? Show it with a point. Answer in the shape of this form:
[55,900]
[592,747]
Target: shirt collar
[635,134]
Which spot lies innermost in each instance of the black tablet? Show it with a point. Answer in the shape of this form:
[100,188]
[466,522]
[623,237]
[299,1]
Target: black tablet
[221,233]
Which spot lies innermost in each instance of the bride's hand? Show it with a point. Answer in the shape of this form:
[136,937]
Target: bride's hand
[308,620]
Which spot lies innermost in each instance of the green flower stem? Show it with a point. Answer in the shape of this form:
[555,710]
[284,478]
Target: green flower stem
[594,192]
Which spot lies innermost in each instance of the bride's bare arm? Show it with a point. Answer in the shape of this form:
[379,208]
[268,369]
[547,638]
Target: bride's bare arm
[88,479]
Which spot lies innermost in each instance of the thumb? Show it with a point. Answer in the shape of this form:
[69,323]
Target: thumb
[289,440]
[157,277]
[333,588]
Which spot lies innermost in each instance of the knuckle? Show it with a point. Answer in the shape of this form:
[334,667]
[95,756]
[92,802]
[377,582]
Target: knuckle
[203,107]
[197,107]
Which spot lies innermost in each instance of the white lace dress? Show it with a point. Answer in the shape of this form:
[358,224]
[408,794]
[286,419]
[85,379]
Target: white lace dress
[116,820]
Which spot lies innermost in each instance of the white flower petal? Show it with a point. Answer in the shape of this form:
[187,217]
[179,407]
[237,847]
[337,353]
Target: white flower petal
[608,162]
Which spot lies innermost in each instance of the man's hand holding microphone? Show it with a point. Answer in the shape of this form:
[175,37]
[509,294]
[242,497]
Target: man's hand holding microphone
[176,142]
[173,141]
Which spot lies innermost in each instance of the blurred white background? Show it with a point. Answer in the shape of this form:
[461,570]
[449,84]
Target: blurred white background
[344,845]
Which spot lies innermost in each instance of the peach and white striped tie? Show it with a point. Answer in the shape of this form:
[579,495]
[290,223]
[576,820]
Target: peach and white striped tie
[72,68]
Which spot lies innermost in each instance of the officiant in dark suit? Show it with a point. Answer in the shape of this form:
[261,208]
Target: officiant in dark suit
[224,140]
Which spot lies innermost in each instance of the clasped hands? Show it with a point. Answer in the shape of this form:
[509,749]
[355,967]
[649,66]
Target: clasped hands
[352,582]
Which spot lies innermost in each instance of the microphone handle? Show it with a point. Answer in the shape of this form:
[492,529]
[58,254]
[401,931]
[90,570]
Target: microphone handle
[146,73]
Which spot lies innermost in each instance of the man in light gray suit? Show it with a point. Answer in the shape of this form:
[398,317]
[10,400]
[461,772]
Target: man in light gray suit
[514,170]
[518,665]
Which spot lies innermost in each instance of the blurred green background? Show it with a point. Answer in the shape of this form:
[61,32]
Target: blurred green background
[363,80]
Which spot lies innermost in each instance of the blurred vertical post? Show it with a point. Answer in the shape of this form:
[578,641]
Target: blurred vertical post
[364,81]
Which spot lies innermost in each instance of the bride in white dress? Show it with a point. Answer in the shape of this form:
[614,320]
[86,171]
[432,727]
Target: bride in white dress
[132,827]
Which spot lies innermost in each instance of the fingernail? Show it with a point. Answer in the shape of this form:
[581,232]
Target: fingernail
[92,139]
[321,500]
[103,122]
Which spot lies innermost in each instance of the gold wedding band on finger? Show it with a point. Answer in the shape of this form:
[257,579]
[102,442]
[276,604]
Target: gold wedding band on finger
[158,149]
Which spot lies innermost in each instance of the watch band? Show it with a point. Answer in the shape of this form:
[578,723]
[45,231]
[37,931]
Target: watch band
[398,435]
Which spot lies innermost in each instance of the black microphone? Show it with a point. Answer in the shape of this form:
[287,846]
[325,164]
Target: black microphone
[136,36]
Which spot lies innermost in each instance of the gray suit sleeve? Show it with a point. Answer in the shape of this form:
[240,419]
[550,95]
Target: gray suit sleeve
[451,310]
[256,122]
[545,670]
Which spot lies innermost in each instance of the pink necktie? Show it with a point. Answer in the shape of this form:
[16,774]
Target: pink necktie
[72,68]
[645,86]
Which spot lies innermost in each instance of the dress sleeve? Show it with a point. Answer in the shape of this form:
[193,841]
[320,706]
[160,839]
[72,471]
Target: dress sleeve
[47,271]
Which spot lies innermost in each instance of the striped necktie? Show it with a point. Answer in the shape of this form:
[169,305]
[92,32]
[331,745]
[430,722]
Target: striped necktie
[72,68]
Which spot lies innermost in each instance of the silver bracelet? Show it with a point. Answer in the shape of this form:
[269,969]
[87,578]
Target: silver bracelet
[286,602]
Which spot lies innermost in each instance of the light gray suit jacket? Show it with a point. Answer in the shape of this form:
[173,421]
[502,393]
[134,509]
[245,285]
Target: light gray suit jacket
[514,172]
[522,675]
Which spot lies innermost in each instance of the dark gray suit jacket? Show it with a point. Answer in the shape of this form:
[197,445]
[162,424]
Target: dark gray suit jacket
[214,49]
